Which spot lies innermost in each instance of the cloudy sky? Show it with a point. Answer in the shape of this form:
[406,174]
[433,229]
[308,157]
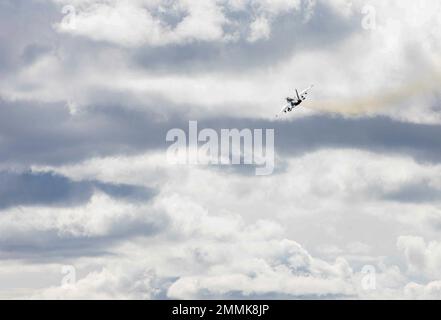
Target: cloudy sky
[91,208]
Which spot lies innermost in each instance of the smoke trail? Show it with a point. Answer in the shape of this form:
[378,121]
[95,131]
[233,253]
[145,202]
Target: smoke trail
[356,106]
[374,103]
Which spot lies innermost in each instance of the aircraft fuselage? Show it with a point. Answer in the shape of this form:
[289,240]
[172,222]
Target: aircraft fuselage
[293,103]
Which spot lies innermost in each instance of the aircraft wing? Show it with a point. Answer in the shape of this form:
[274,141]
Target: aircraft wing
[283,110]
[305,92]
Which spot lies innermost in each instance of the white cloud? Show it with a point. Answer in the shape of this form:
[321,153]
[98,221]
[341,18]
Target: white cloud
[110,218]
[120,22]
[423,260]
[390,73]
[430,291]
[260,29]
[306,231]
[351,184]
[216,255]
[144,22]
[120,283]
[218,249]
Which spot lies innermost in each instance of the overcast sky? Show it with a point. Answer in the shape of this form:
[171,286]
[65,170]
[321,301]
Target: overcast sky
[90,88]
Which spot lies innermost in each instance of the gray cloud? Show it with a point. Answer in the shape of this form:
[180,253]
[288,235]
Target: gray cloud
[37,133]
[57,237]
[421,192]
[28,188]
[201,249]
[47,133]
[49,246]
[34,35]
[377,134]
[290,34]
[25,32]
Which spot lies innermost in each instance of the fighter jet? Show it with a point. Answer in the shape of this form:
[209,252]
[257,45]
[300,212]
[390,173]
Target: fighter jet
[294,102]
